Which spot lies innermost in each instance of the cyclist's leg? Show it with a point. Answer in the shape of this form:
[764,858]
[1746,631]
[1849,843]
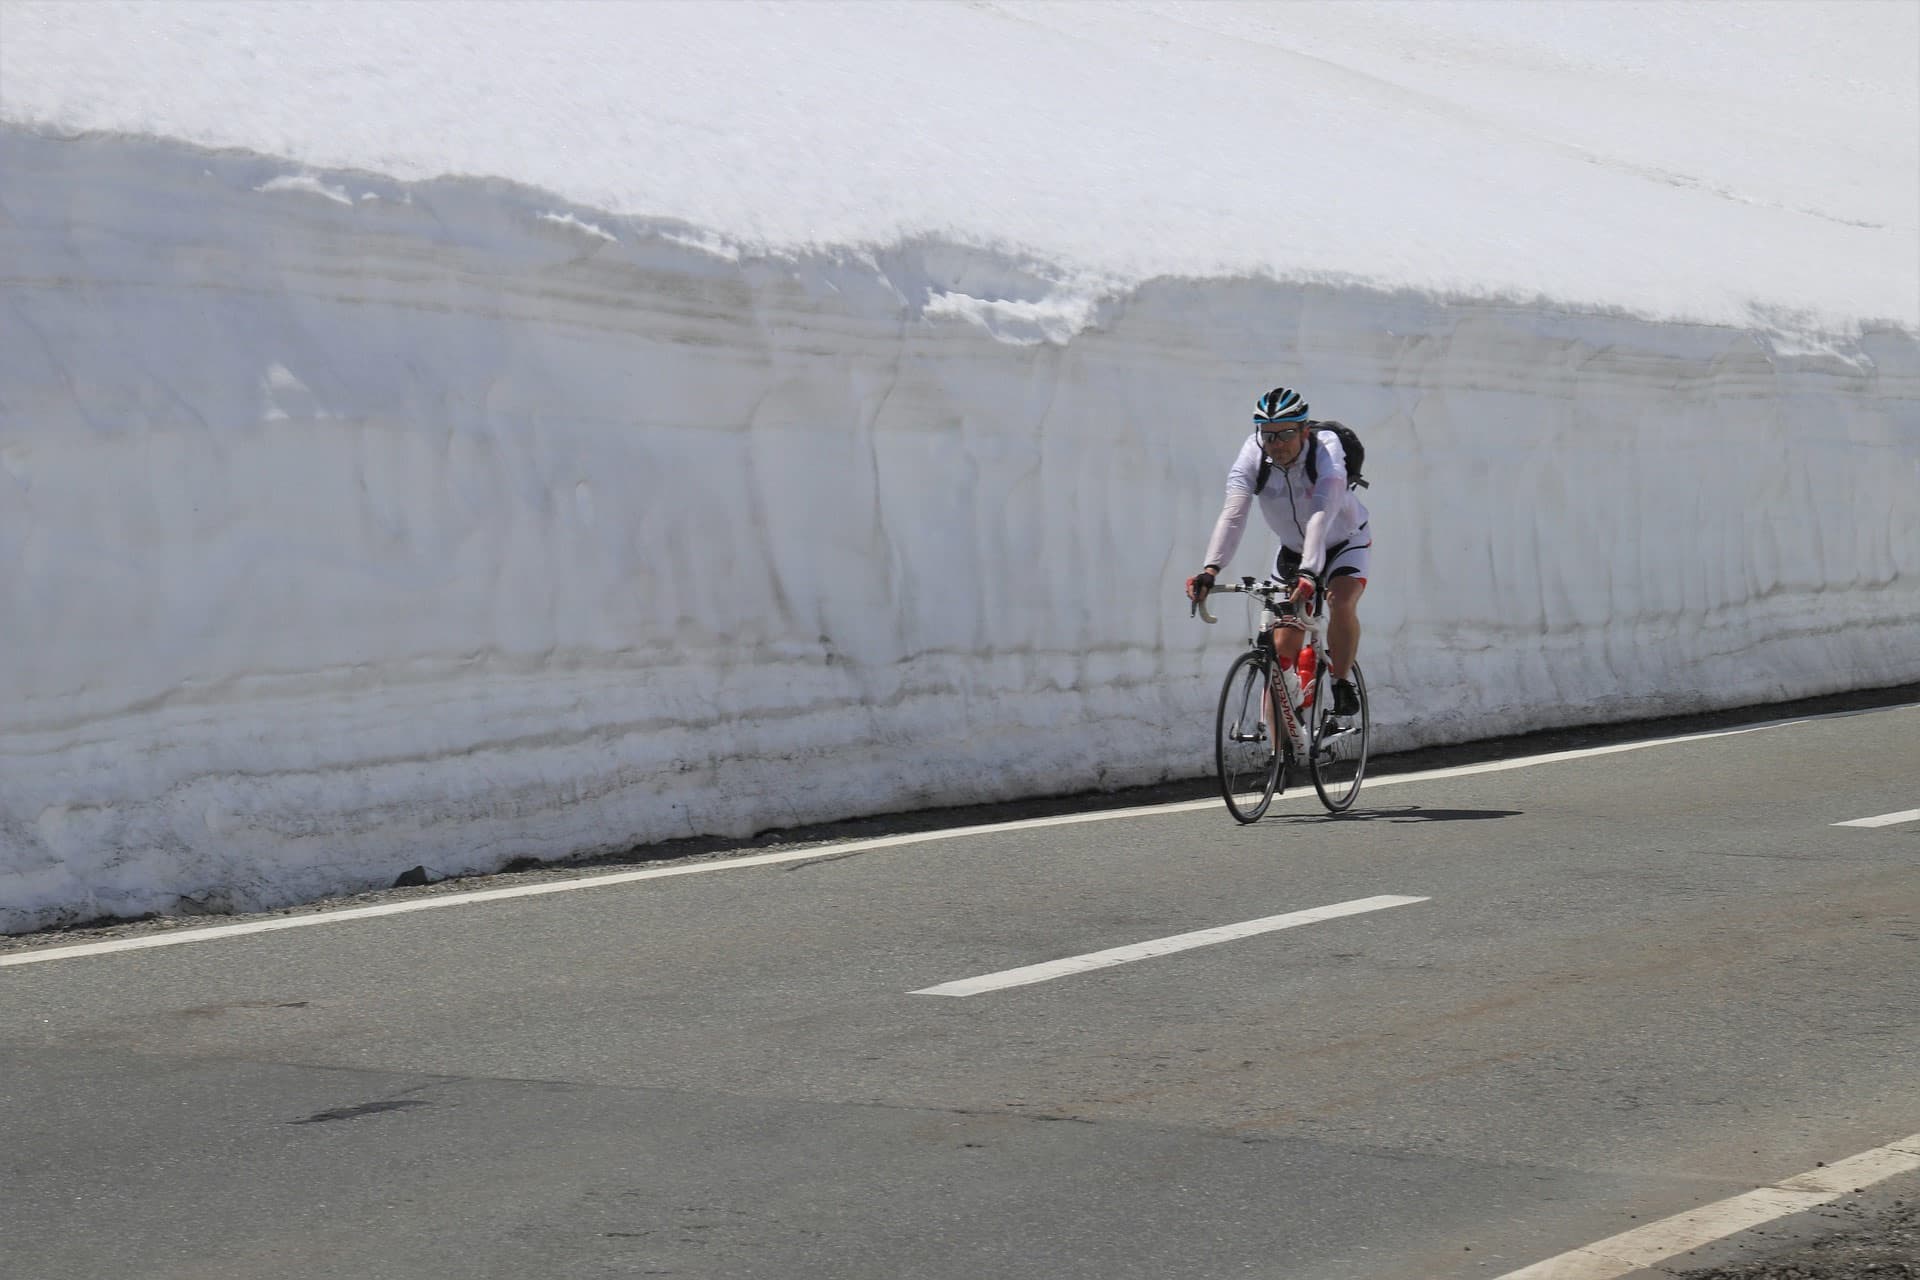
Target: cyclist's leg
[1346,581]
[1286,638]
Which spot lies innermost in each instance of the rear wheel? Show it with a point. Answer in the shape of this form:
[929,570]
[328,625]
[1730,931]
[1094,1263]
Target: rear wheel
[1243,743]
[1337,755]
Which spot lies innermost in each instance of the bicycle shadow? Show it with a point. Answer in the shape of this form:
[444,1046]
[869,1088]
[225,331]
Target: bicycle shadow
[1407,813]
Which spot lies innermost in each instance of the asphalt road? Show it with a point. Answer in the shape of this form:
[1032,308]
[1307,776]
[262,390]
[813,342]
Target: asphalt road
[1636,983]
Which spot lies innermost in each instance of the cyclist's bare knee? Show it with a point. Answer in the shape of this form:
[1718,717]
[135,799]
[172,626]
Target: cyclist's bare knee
[1343,596]
[1285,640]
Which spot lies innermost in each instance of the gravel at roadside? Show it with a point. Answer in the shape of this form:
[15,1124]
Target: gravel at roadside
[1868,1245]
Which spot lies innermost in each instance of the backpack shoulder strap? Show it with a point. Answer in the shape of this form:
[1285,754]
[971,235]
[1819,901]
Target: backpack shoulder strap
[1266,469]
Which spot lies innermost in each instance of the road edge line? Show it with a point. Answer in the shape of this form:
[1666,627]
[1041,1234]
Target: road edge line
[181,937]
[1646,1246]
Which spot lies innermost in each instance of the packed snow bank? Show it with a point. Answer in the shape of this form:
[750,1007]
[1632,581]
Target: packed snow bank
[1667,158]
[354,524]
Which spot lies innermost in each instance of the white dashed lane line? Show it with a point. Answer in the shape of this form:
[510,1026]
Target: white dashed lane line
[1160,947]
[1883,820]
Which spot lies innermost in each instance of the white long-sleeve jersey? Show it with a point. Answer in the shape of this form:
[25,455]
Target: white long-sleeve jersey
[1308,518]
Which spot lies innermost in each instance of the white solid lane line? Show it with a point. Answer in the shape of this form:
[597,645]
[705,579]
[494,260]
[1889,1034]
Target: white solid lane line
[1160,947]
[1884,820]
[1645,1246]
[179,937]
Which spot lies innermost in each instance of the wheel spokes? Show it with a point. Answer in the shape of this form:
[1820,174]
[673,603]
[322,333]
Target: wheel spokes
[1340,746]
[1243,752]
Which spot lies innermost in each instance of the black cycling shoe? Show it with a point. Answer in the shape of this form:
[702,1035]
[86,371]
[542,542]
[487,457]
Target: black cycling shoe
[1346,699]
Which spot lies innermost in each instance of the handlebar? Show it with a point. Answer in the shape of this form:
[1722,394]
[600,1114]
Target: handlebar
[1267,591]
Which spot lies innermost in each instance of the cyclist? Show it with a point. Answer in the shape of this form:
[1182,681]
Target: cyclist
[1322,526]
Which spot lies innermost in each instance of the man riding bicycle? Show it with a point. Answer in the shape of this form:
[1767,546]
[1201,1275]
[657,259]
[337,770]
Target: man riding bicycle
[1298,471]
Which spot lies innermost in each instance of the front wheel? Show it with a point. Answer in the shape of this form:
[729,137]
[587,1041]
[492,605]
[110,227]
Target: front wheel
[1243,739]
[1337,748]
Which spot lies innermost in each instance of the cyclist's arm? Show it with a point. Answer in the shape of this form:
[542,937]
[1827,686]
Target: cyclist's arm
[1228,529]
[1233,512]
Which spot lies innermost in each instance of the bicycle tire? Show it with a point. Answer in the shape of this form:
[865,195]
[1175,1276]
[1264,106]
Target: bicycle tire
[1247,782]
[1340,766]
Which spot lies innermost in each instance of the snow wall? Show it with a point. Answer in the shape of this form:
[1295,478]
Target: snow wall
[350,525]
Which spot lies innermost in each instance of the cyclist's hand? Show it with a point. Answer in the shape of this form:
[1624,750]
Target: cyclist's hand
[1199,584]
[1303,590]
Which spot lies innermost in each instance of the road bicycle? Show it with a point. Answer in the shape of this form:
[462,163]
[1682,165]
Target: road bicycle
[1253,754]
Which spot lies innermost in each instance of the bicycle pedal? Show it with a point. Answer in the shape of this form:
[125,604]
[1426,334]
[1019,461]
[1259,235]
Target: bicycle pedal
[1333,748]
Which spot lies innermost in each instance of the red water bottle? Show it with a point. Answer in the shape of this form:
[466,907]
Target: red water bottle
[1305,669]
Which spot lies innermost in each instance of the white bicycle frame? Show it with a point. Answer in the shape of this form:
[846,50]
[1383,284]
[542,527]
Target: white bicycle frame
[1313,629]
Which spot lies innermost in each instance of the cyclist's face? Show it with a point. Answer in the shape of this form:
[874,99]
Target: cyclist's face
[1283,440]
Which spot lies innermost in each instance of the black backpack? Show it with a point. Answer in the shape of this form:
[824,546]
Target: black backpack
[1349,443]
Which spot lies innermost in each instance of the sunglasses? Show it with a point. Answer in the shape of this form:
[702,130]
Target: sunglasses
[1275,436]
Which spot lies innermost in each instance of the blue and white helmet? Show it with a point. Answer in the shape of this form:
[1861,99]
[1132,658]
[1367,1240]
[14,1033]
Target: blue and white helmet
[1282,404]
